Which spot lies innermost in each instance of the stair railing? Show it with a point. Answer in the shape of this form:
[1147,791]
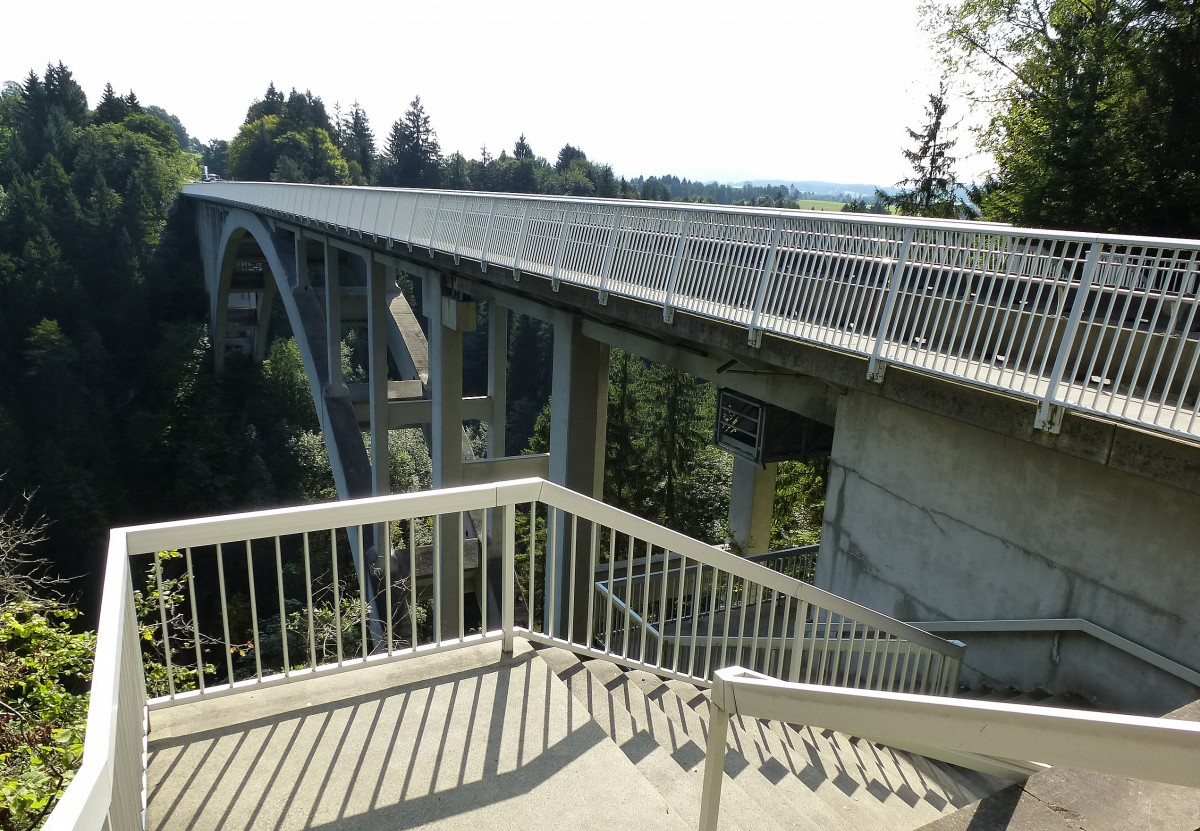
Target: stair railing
[981,735]
[220,605]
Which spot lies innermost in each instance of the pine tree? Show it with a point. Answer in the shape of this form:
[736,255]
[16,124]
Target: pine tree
[111,109]
[413,155]
[932,190]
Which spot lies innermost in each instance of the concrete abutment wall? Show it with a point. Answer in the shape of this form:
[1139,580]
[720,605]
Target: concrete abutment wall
[929,518]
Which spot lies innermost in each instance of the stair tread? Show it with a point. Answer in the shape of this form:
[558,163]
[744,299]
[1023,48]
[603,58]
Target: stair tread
[669,759]
[929,787]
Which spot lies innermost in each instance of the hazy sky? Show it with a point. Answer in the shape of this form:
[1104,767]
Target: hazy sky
[727,89]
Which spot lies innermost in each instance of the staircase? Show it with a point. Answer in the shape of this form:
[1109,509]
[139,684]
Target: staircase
[541,739]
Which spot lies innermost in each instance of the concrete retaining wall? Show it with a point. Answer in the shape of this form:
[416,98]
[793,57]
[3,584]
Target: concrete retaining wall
[928,518]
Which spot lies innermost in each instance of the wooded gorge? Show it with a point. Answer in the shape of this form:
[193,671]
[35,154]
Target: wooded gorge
[109,411]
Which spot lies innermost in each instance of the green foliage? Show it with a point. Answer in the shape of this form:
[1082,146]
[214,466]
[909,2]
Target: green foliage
[1095,109]
[309,156]
[163,596]
[45,669]
[412,158]
[252,153]
[659,463]
[799,503]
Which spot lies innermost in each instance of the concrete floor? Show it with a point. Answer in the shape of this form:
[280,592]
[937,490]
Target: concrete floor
[465,739]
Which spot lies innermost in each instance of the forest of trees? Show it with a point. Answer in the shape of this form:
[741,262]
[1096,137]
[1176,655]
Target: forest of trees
[110,413]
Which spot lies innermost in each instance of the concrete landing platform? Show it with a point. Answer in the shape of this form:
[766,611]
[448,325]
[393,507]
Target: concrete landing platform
[465,739]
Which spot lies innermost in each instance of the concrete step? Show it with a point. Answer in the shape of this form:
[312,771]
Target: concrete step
[863,783]
[467,739]
[669,760]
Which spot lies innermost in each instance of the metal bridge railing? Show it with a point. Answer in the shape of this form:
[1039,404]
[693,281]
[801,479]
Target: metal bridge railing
[1101,324]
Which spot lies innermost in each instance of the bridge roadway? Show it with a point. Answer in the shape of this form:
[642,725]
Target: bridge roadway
[1013,408]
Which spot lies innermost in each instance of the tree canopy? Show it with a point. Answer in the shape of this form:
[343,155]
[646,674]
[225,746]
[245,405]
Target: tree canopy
[1094,109]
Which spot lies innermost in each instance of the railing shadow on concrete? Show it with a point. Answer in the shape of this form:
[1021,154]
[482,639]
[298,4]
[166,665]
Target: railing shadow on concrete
[985,736]
[326,765]
[248,601]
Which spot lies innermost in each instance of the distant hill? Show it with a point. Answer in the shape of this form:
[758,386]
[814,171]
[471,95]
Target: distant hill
[813,186]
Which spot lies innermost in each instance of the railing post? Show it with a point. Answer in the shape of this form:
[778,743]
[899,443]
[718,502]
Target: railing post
[714,767]
[437,214]
[610,252]
[561,247]
[755,336]
[520,252]
[876,367]
[412,221]
[487,238]
[508,568]
[1050,412]
[462,229]
[676,265]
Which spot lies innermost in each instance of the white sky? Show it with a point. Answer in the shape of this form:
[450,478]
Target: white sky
[705,89]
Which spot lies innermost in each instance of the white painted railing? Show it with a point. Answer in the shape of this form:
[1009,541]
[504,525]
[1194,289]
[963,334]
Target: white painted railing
[1102,324]
[1061,626]
[106,792]
[962,731]
[239,602]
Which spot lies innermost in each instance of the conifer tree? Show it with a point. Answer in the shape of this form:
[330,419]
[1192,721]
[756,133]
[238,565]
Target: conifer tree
[932,190]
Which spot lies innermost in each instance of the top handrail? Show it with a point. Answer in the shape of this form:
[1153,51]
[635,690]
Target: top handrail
[222,192]
[145,539]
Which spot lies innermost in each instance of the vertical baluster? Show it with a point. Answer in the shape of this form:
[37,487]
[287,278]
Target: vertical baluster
[798,641]
[758,604]
[646,587]
[783,636]
[337,593]
[483,571]
[551,593]
[745,601]
[612,589]
[697,602]
[712,615]
[437,579]
[628,597]
[461,578]
[531,603]
[287,661]
[570,598]
[848,651]
[362,592]
[166,632]
[664,573]
[590,641]
[254,613]
[191,581]
[387,584]
[414,636]
[508,575]
[681,594]
[728,610]
[312,627]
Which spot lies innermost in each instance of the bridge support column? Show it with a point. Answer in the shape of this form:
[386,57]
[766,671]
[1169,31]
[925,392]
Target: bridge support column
[497,378]
[751,499]
[446,382]
[578,418]
[336,386]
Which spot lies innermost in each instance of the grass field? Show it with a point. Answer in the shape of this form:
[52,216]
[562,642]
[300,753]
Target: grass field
[819,205]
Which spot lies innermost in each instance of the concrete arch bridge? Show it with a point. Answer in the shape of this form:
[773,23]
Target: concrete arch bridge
[1014,412]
